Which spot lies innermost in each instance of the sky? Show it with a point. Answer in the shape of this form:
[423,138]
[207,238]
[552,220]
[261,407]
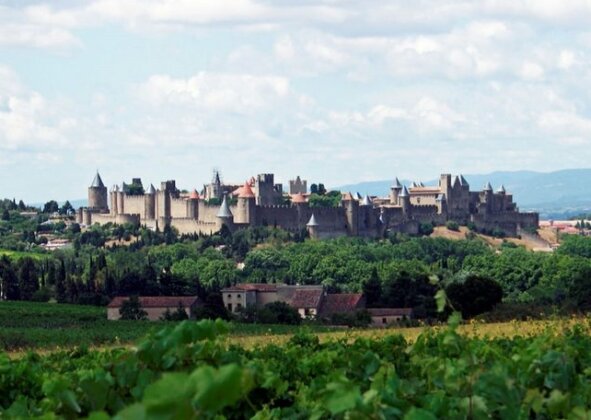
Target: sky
[334,91]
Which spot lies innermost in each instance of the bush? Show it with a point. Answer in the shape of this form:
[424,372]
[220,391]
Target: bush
[498,233]
[425,229]
[271,313]
[351,319]
[41,295]
[451,225]
[180,314]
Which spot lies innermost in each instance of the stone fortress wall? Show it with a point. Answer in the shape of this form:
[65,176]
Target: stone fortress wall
[261,202]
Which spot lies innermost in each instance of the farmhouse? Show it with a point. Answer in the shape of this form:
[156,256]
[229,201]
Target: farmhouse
[309,301]
[155,306]
[382,317]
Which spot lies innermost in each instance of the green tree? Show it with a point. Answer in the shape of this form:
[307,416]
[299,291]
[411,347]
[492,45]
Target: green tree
[474,295]
[131,309]
[372,289]
[27,278]
[66,209]
[51,207]
[8,280]
[5,215]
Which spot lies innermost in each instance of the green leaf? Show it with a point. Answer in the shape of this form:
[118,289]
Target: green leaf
[441,300]
[419,414]
[341,396]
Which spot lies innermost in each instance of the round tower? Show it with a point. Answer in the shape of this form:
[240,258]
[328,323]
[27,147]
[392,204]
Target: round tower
[97,195]
[352,213]
[247,205]
[150,203]
[404,200]
[114,206]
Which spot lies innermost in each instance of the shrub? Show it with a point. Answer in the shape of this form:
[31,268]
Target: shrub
[451,225]
[425,229]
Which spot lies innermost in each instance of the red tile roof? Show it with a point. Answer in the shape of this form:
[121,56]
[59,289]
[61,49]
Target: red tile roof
[342,302]
[390,311]
[246,191]
[307,298]
[194,195]
[156,301]
[298,198]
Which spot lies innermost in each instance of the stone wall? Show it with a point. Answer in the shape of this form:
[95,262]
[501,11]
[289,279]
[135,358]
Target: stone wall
[178,207]
[189,226]
[135,204]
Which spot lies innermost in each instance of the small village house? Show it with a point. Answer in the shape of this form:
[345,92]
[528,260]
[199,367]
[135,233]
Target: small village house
[382,317]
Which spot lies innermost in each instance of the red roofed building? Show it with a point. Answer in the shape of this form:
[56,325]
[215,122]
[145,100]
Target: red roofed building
[342,303]
[307,301]
[155,306]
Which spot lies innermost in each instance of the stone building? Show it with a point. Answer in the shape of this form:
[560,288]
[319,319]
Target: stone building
[261,202]
[309,301]
[155,306]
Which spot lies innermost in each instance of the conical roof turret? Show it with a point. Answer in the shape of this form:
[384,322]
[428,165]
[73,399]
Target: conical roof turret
[488,187]
[404,192]
[501,189]
[367,201]
[151,190]
[312,222]
[463,181]
[194,195]
[246,191]
[97,182]
[397,185]
[224,211]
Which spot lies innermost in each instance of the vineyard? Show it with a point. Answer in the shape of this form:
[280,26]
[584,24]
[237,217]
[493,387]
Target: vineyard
[188,371]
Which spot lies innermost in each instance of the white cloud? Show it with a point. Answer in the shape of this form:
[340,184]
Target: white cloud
[240,93]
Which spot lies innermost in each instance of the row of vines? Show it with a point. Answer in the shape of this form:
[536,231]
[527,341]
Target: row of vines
[185,371]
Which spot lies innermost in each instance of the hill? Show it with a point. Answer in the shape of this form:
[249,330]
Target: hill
[558,194]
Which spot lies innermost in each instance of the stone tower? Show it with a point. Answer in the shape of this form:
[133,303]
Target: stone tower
[404,200]
[352,213]
[246,205]
[150,203]
[264,186]
[297,186]
[97,195]
[395,191]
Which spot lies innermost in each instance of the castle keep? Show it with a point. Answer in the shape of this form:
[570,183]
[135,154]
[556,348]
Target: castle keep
[261,202]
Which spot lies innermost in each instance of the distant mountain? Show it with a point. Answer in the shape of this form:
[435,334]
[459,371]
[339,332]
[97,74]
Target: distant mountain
[554,194]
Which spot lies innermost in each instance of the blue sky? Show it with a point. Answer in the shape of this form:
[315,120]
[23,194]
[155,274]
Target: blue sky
[334,91]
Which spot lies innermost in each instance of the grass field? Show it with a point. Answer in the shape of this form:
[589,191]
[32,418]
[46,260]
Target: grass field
[46,327]
[16,255]
[32,325]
